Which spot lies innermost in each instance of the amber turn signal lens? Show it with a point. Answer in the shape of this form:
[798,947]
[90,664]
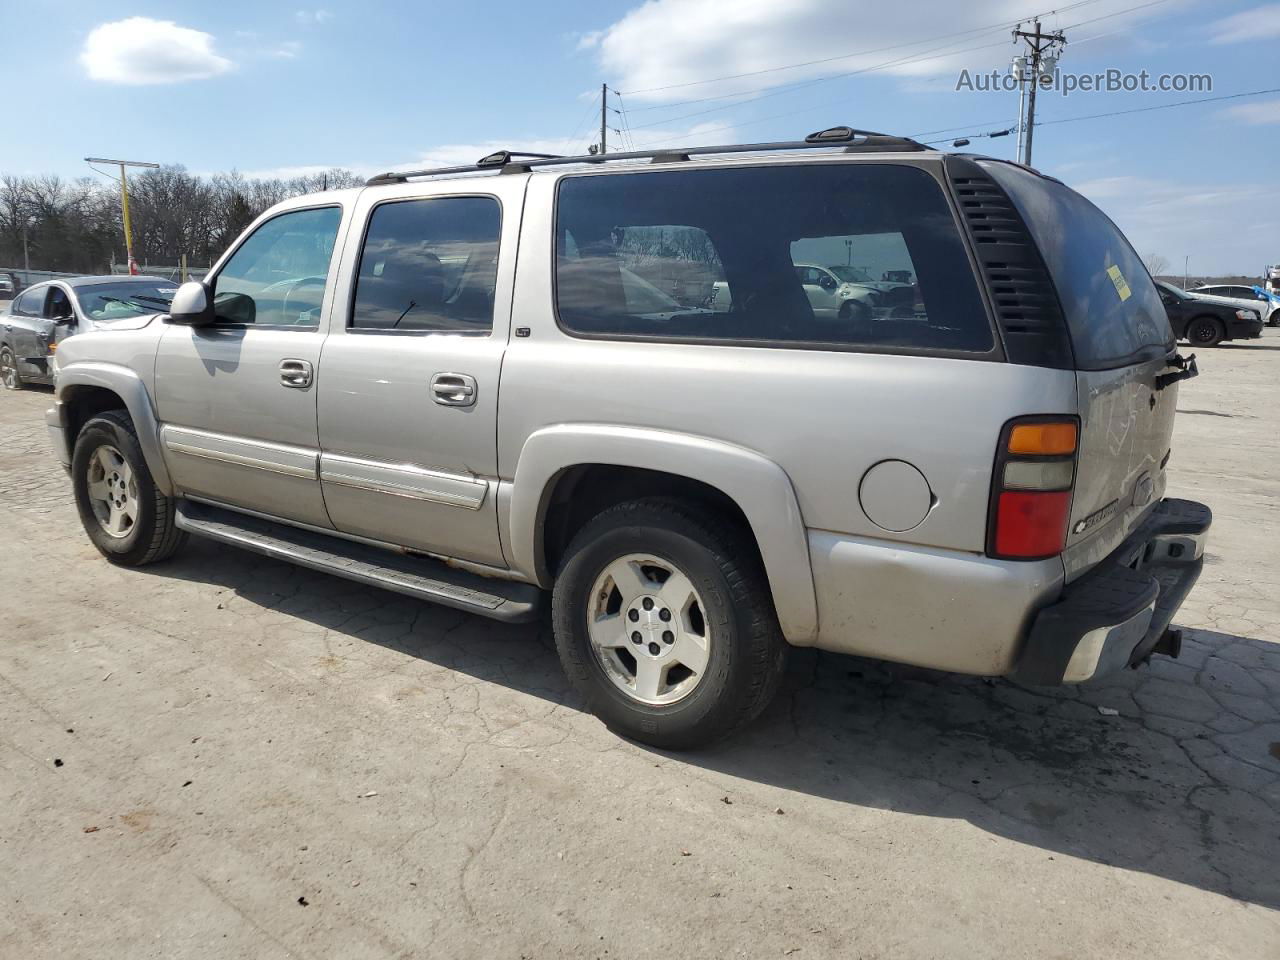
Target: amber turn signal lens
[1045,439]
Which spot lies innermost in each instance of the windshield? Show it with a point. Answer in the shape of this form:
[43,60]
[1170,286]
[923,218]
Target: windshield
[850,274]
[1176,291]
[104,302]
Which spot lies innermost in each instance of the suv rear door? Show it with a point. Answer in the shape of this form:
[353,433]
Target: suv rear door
[1122,341]
[408,387]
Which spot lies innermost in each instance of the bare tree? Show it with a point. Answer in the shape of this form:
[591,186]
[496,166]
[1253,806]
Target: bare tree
[76,226]
[1156,264]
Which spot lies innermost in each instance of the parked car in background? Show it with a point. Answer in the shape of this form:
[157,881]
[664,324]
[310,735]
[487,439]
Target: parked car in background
[459,385]
[1247,298]
[840,293]
[8,286]
[1206,321]
[44,315]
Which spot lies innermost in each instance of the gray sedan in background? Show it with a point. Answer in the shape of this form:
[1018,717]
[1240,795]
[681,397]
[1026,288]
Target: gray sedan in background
[47,313]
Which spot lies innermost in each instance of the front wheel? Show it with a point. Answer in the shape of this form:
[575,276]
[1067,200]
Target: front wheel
[665,624]
[1205,332]
[129,520]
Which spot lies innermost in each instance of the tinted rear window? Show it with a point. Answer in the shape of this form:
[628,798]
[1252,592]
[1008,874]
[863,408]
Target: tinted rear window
[1113,311]
[855,256]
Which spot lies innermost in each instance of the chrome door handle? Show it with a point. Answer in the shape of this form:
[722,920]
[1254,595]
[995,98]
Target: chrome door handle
[295,373]
[453,389]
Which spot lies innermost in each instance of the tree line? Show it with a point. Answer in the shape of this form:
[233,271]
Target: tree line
[76,225]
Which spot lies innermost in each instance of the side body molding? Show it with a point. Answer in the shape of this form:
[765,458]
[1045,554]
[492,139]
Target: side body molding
[125,383]
[756,484]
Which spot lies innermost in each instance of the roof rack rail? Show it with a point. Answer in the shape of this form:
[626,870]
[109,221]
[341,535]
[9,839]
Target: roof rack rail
[855,141]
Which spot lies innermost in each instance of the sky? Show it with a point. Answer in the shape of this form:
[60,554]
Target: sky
[272,88]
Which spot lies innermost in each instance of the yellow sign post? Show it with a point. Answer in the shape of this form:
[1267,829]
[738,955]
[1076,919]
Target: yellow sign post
[124,201]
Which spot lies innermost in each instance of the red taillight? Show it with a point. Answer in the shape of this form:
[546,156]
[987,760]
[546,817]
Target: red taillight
[1031,488]
[1031,524]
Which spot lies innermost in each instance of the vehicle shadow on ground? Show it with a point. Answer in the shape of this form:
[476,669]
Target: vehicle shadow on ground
[1237,345]
[1173,770]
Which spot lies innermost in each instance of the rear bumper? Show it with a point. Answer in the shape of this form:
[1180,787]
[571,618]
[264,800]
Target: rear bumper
[1118,614]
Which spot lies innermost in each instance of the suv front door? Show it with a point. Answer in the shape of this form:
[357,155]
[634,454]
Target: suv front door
[237,399]
[409,380]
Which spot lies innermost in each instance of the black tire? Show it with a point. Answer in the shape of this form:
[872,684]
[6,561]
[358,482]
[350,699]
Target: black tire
[153,535]
[9,374]
[1205,332]
[747,652]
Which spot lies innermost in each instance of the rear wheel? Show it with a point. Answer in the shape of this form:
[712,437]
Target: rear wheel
[1205,332]
[9,375]
[128,519]
[665,624]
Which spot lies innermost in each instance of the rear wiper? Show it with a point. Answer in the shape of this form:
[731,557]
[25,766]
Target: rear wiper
[1187,369]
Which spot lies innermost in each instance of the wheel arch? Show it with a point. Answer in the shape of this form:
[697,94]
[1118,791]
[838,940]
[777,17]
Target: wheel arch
[86,389]
[555,462]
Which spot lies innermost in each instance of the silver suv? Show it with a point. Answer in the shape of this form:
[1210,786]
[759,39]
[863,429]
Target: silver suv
[488,385]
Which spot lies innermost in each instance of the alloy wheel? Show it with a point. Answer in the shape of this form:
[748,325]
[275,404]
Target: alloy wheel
[648,629]
[113,491]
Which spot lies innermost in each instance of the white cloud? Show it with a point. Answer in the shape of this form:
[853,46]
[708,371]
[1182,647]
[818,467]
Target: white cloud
[140,51]
[662,43]
[1259,114]
[1260,23]
[1217,226]
[312,17]
[288,50]
[461,154]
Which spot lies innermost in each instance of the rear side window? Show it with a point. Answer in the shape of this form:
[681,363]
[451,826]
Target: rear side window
[1113,311]
[852,256]
[31,303]
[429,266]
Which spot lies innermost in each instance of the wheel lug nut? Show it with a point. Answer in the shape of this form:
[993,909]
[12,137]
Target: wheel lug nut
[648,603]
[664,615]
[635,637]
[654,649]
[633,616]
[668,637]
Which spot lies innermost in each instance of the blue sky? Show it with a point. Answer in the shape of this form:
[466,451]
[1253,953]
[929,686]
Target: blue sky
[277,88]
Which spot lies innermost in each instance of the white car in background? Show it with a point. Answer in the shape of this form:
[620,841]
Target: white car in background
[1245,298]
[839,292]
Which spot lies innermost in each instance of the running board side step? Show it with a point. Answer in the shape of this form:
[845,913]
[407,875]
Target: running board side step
[422,577]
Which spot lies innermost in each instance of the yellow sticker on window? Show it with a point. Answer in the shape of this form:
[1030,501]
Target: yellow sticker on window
[1117,278]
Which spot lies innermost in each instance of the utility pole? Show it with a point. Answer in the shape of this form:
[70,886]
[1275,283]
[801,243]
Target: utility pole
[124,201]
[1042,61]
[604,107]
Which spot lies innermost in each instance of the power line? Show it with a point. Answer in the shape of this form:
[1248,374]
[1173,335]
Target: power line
[792,88]
[820,106]
[1162,106]
[860,53]
[783,89]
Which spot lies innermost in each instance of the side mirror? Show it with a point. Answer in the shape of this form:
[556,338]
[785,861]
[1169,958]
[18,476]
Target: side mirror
[192,305]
